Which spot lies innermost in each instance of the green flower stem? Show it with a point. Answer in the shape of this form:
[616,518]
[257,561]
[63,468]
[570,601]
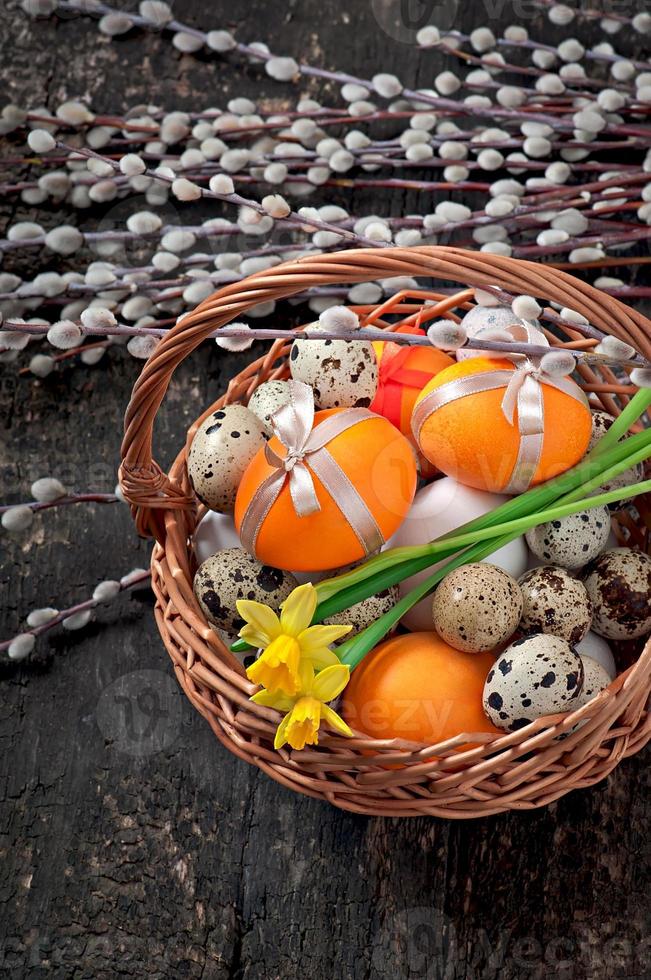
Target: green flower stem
[636,407]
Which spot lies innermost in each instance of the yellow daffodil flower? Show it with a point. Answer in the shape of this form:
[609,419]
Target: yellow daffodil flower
[306,710]
[287,641]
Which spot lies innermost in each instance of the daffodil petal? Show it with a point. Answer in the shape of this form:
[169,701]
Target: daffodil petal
[262,617]
[279,701]
[334,721]
[281,732]
[298,609]
[305,674]
[322,658]
[330,682]
[254,637]
[315,637]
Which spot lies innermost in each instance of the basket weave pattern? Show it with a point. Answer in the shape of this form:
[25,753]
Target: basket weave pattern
[520,770]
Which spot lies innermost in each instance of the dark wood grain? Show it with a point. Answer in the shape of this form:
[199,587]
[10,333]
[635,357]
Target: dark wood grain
[132,843]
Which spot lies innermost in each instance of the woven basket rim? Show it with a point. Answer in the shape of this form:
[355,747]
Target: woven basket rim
[508,771]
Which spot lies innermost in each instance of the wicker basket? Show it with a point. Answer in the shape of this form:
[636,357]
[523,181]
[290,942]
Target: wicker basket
[517,771]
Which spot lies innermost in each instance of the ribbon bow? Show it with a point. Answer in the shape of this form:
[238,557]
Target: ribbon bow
[523,394]
[305,443]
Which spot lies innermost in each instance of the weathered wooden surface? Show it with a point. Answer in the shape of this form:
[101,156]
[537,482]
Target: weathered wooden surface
[132,843]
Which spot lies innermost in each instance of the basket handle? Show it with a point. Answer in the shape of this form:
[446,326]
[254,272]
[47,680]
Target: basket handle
[152,493]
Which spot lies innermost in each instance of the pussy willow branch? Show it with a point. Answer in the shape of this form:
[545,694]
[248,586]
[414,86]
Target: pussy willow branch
[88,604]
[437,102]
[363,334]
[73,498]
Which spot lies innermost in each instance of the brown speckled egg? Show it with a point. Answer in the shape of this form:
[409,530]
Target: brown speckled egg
[343,373]
[223,446]
[601,422]
[595,679]
[363,613]
[233,574]
[535,676]
[556,603]
[267,399]
[619,585]
[476,607]
[571,542]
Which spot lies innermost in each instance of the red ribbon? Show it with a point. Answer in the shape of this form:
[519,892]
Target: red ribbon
[392,378]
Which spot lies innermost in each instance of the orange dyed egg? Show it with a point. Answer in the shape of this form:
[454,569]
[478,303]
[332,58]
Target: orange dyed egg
[404,372]
[376,459]
[417,687]
[472,440]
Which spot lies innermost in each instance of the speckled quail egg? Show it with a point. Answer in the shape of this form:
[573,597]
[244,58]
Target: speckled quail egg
[363,613]
[476,607]
[555,603]
[267,399]
[233,574]
[571,542]
[535,676]
[601,422]
[595,679]
[342,373]
[619,585]
[223,446]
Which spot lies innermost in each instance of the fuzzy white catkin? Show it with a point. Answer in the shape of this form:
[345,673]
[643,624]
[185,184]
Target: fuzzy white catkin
[453,211]
[571,221]
[427,36]
[98,317]
[276,205]
[177,240]
[64,334]
[614,347]
[497,248]
[185,190]
[561,15]
[131,165]
[490,159]
[447,335]
[91,355]
[77,620]
[526,308]
[47,489]
[281,69]
[38,617]
[115,24]
[65,239]
[74,113]
[21,646]
[537,146]
[365,292]
[641,377]
[17,518]
[220,41]
[187,43]
[24,230]
[482,39]
[40,141]
[142,347]
[573,316]
[586,254]
[446,83]
[498,207]
[378,231]
[221,184]
[155,11]
[135,307]
[106,591]
[235,344]
[341,161]
[41,365]
[339,318]
[144,222]
[455,173]
[558,363]
[386,85]
[551,236]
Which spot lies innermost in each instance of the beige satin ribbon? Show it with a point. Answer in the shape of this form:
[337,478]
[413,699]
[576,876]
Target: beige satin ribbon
[293,425]
[523,394]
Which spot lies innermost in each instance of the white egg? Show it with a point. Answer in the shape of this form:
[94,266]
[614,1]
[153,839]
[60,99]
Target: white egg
[438,508]
[595,647]
[214,532]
